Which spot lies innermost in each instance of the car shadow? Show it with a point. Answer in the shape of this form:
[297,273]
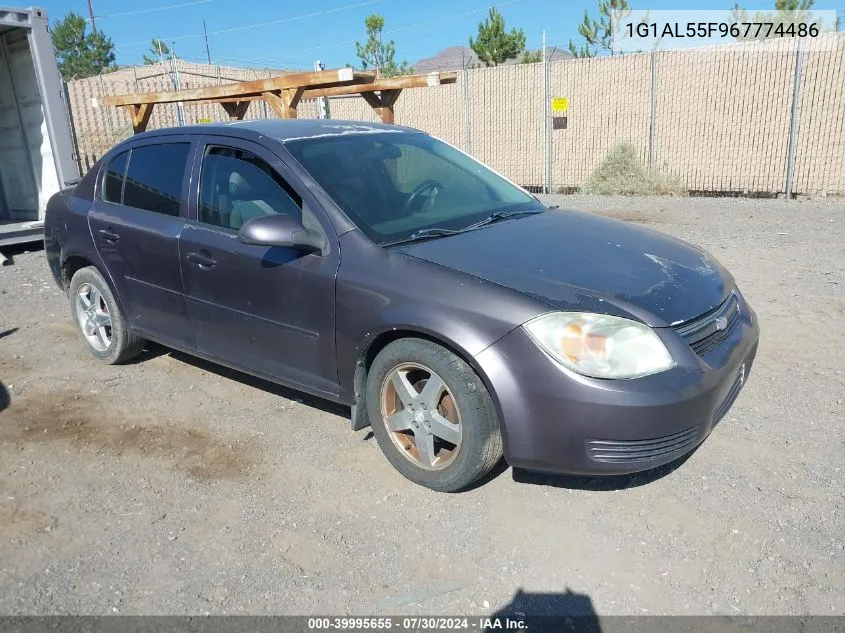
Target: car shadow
[153,350]
[497,470]
[567,611]
[601,483]
[604,483]
[5,397]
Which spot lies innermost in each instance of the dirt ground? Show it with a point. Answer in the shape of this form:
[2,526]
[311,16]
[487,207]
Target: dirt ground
[171,486]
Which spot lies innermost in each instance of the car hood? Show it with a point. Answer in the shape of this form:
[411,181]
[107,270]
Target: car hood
[582,262]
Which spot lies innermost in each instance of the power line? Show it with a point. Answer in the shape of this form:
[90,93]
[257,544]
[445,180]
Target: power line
[399,29]
[153,10]
[258,24]
[246,63]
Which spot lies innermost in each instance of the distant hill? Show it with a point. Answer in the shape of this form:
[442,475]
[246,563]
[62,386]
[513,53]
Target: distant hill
[458,57]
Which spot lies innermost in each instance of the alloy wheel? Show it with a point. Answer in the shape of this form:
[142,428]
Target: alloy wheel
[94,318]
[421,416]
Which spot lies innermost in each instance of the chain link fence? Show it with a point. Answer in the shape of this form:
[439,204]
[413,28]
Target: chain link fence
[737,120]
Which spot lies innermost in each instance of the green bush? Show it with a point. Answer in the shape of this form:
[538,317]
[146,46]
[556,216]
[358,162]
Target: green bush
[622,174]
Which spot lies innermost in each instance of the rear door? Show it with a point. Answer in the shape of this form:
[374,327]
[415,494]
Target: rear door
[136,219]
[269,311]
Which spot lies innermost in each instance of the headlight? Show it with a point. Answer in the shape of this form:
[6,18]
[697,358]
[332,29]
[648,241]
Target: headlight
[600,345]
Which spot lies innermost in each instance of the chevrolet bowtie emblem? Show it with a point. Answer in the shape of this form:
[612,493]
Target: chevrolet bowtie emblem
[721,323]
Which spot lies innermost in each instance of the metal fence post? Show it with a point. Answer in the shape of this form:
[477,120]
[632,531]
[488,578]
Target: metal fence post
[177,85]
[323,111]
[793,118]
[652,125]
[467,112]
[547,132]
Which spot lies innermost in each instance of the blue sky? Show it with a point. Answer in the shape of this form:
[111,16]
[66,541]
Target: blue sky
[281,34]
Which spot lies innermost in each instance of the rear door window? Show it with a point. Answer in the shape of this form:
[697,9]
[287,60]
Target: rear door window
[155,176]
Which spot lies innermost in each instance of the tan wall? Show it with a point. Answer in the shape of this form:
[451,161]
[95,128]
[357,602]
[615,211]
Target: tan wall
[722,115]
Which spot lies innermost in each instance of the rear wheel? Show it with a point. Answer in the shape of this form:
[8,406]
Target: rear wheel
[98,318]
[431,415]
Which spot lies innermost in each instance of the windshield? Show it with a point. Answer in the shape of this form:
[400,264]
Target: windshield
[394,184]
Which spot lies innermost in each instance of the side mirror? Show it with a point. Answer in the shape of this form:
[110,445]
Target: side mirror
[279,230]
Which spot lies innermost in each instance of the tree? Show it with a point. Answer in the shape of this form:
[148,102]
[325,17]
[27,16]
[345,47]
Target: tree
[378,55]
[529,57]
[77,53]
[792,11]
[159,50]
[598,34]
[494,45]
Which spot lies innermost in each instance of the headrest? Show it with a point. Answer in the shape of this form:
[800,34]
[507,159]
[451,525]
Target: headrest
[248,183]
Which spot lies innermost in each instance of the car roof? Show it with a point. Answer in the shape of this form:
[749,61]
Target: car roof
[283,130]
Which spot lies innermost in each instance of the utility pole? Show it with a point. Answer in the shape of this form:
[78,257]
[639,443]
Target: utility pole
[91,16]
[207,50]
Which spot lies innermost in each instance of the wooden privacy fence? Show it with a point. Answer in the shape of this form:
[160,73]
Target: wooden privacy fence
[739,119]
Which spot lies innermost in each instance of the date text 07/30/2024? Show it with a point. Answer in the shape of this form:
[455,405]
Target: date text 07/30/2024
[417,623]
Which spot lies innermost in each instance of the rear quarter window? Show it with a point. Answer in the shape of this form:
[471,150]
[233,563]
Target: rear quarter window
[113,181]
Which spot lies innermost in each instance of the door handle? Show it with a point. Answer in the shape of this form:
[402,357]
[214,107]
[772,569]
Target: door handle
[202,261]
[107,235]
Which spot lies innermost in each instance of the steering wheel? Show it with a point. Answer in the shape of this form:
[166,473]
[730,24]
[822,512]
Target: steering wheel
[425,185]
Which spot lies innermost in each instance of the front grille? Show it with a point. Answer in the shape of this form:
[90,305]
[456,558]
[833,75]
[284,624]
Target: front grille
[663,448]
[722,409]
[703,333]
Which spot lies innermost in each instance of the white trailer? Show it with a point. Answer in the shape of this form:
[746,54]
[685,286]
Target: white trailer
[36,147]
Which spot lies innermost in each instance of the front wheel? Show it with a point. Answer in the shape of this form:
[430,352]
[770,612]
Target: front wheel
[432,415]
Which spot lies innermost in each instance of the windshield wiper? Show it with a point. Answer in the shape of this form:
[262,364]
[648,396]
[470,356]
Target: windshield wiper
[498,216]
[425,234]
[432,232]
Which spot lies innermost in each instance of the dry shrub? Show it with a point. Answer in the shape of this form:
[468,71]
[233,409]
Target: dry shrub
[622,174]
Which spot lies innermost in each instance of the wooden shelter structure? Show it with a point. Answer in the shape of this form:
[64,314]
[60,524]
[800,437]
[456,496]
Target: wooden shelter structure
[283,93]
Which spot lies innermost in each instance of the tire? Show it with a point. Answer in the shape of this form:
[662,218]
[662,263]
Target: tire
[103,327]
[444,465]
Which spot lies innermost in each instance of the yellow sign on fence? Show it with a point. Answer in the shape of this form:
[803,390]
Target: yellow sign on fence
[560,104]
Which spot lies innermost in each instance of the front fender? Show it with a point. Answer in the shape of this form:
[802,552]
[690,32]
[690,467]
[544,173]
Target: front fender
[410,295]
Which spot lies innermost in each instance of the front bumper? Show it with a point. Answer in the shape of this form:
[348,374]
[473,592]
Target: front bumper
[558,421]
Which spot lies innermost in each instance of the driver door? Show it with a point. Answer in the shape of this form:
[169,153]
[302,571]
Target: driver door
[268,311]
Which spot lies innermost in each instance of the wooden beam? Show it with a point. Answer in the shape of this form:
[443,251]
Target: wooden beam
[412,81]
[140,115]
[284,93]
[372,99]
[394,83]
[285,102]
[278,105]
[292,96]
[389,97]
[383,103]
[320,78]
[235,109]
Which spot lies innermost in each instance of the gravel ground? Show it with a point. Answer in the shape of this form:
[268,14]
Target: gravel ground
[172,486]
